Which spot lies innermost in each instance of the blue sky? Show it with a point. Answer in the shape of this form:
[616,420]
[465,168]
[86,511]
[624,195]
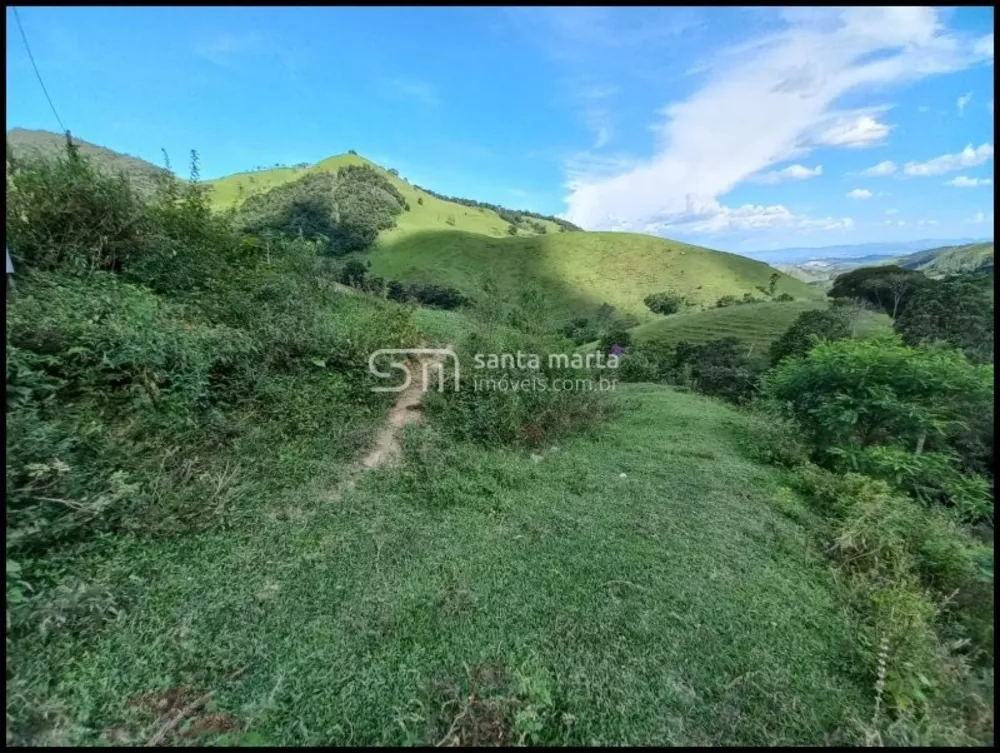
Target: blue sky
[739,129]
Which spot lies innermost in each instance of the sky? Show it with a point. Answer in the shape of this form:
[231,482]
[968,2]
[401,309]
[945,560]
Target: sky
[742,129]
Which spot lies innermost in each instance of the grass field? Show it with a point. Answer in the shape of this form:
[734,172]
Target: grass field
[634,586]
[756,323]
[576,272]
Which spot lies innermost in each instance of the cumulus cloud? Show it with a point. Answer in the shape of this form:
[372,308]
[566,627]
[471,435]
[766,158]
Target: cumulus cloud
[859,193]
[948,163]
[766,102]
[883,168]
[963,182]
[963,101]
[979,218]
[792,172]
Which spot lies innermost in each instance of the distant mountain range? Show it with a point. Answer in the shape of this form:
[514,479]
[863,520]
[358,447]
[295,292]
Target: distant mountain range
[859,252]
[943,260]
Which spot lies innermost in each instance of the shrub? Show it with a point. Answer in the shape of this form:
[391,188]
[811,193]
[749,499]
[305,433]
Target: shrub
[726,300]
[721,368]
[636,366]
[420,200]
[615,336]
[771,438]
[579,330]
[858,393]
[65,213]
[807,329]
[664,303]
[511,230]
[784,297]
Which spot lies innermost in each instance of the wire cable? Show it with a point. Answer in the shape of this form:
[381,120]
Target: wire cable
[33,65]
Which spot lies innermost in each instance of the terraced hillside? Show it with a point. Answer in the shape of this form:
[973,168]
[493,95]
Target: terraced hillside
[577,272]
[758,324]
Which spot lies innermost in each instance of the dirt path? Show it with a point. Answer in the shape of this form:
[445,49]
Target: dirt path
[386,451]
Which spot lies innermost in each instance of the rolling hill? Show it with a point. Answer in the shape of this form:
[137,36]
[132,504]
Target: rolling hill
[426,212]
[972,257]
[757,324]
[576,272]
[445,242]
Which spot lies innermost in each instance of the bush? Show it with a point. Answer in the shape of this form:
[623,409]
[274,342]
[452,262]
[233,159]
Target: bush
[420,200]
[784,297]
[809,328]
[65,213]
[580,330]
[615,336]
[511,230]
[636,366]
[721,368]
[727,300]
[771,438]
[858,393]
[438,296]
[664,303]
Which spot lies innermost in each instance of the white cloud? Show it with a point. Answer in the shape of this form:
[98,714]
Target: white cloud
[859,193]
[853,132]
[963,182]
[984,46]
[892,211]
[765,103]
[711,218]
[963,101]
[947,163]
[989,106]
[792,172]
[923,108]
[927,222]
[883,168]
[979,218]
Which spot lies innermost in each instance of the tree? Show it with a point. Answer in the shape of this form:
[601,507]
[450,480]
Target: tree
[885,286]
[772,283]
[664,303]
[615,336]
[809,328]
[511,230]
[420,200]
[958,311]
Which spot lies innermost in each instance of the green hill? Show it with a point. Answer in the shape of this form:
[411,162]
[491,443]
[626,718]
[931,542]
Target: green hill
[23,142]
[758,324]
[576,272]
[949,260]
[426,212]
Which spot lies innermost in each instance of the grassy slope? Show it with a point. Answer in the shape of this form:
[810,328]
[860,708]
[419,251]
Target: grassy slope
[673,606]
[433,214]
[577,271]
[757,323]
[949,259]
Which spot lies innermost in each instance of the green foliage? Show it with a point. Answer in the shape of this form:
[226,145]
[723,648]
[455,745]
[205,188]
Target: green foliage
[785,297]
[727,300]
[64,212]
[580,330]
[438,296]
[510,216]
[888,287]
[957,311]
[521,405]
[809,328]
[858,393]
[511,230]
[637,366]
[345,212]
[121,370]
[614,336]
[664,303]
[721,368]
[420,200]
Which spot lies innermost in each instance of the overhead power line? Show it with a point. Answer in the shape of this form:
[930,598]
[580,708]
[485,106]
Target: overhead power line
[33,65]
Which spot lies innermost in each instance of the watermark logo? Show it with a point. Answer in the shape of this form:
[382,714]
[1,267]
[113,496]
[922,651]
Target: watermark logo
[428,358]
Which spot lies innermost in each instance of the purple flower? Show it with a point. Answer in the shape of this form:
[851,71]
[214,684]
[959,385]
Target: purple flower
[616,350]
